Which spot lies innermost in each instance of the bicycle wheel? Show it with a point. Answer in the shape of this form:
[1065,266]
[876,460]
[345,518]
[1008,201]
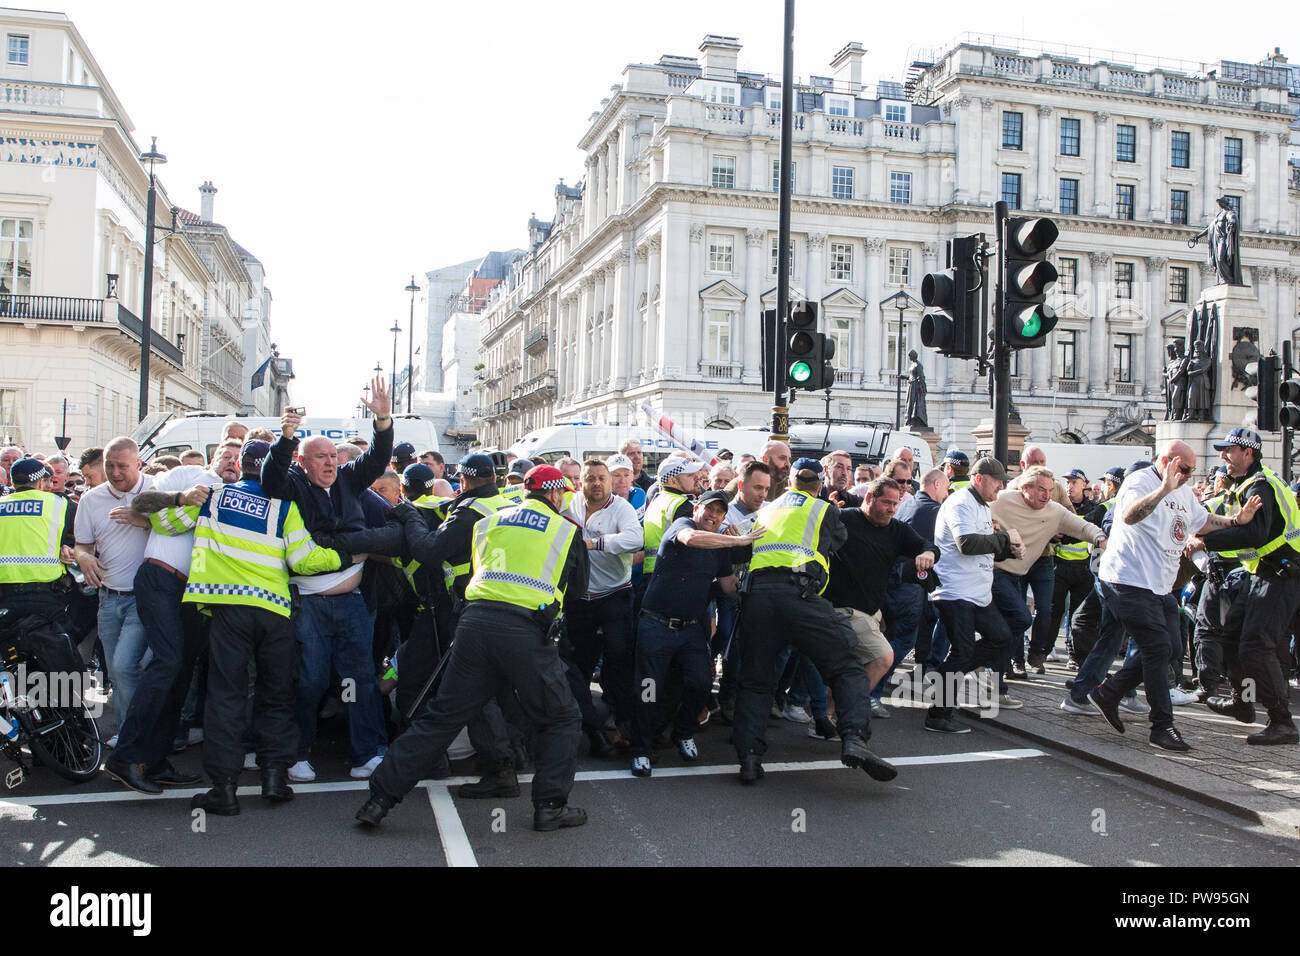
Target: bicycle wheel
[72,749]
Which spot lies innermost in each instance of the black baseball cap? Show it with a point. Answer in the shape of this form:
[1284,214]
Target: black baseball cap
[254,452]
[991,467]
[477,466]
[806,464]
[1076,473]
[27,471]
[403,450]
[718,497]
[418,478]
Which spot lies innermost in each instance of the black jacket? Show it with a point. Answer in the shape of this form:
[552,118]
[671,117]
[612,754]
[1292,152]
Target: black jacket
[339,509]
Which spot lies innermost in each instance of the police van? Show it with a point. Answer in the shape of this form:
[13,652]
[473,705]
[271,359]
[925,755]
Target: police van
[869,443]
[165,433]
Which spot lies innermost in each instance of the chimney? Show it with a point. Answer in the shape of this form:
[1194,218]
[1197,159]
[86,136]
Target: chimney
[720,55]
[206,192]
[847,65]
[1277,56]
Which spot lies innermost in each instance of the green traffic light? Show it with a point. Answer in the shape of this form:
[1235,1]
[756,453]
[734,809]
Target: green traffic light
[800,372]
[1033,325]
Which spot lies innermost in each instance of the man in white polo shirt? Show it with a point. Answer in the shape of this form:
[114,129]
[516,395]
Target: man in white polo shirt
[1156,515]
[968,545]
[109,554]
[174,632]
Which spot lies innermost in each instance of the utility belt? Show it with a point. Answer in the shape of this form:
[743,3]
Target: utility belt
[809,584]
[672,623]
[62,586]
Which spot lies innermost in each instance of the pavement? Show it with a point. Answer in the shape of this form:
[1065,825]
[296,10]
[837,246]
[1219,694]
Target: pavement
[1258,784]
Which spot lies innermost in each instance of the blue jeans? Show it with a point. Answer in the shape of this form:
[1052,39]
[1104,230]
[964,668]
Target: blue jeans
[122,634]
[807,689]
[339,629]
[904,604]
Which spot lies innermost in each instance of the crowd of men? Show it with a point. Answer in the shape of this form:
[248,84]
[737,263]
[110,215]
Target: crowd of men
[237,599]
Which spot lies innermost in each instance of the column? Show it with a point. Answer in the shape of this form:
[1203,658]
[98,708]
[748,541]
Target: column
[598,344]
[966,187]
[1138,358]
[615,161]
[1266,170]
[1152,369]
[751,325]
[692,314]
[654,333]
[1265,280]
[1286,305]
[1101,162]
[990,134]
[589,192]
[1156,179]
[583,382]
[621,322]
[877,188]
[562,352]
[1045,153]
[815,280]
[635,321]
[1210,175]
[1097,346]
[1283,199]
[870,332]
[602,193]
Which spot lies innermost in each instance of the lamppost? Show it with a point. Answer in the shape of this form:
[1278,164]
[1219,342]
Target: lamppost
[900,303]
[153,158]
[410,347]
[395,329]
[362,410]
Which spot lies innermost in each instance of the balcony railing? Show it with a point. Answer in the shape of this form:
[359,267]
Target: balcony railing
[534,337]
[545,382]
[723,370]
[57,308]
[1067,386]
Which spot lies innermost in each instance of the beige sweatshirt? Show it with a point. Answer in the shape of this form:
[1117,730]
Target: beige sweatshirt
[1037,528]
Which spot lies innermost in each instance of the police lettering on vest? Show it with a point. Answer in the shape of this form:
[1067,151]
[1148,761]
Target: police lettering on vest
[15,508]
[525,518]
[30,537]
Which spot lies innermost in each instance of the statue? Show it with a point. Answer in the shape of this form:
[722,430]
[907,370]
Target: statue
[1200,385]
[1175,384]
[1225,247]
[916,413]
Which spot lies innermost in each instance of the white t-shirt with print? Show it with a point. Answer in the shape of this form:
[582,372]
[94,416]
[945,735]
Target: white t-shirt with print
[1146,554]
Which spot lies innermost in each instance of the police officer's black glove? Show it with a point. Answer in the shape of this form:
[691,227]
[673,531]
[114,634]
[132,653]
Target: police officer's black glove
[324,538]
[403,513]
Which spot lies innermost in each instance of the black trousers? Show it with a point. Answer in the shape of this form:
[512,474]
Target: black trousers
[598,628]
[1072,585]
[174,633]
[658,648]
[1085,627]
[240,635]
[962,620]
[1268,604]
[495,649]
[777,614]
[1216,645]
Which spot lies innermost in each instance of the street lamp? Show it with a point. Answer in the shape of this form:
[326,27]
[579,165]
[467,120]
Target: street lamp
[410,347]
[900,303]
[363,411]
[395,329]
[153,158]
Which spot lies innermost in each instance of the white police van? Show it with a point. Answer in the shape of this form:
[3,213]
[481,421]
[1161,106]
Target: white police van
[165,433]
[869,443]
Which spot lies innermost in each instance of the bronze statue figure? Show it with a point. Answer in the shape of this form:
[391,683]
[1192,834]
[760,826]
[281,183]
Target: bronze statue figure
[916,411]
[1200,385]
[1176,384]
[1225,244]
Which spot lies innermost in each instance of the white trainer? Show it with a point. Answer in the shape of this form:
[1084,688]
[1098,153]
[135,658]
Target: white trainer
[302,772]
[1007,702]
[1057,657]
[364,771]
[1084,710]
[1181,698]
[111,742]
[1131,705]
[796,713]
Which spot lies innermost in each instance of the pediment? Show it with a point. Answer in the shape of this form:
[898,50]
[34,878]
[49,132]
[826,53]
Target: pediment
[722,289]
[844,299]
[769,297]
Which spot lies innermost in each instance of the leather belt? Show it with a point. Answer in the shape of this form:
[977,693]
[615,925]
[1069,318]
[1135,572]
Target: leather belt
[672,623]
[166,567]
[105,587]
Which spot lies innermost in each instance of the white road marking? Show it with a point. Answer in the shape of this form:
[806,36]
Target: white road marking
[455,842]
[120,796]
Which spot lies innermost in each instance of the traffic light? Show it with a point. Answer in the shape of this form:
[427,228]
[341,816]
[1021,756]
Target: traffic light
[1263,390]
[808,353]
[953,329]
[1026,275]
[1288,393]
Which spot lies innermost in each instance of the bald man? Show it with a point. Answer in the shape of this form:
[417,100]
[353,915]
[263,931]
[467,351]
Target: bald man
[776,455]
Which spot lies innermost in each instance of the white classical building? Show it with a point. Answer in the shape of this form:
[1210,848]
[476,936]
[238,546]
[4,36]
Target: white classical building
[649,283]
[72,211]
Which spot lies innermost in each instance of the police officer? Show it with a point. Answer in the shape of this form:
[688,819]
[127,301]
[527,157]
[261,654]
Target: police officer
[956,465]
[1074,580]
[36,541]
[788,574]
[1214,644]
[525,560]
[514,486]
[245,544]
[1269,600]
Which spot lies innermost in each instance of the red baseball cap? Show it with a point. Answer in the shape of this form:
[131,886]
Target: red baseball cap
[545,478]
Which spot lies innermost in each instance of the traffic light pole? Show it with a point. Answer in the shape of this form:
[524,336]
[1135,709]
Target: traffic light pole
[780,410]
[1288,434]
[1001,351]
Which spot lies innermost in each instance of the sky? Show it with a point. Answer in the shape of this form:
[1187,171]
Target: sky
[355,144]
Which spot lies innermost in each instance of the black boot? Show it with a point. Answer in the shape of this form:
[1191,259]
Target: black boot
[499,783]
[375,808]
[1233,707]
[1277,732]
[555,818]
[220,800]
[275,785]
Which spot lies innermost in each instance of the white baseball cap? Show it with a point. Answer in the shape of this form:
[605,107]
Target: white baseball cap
[615,462]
